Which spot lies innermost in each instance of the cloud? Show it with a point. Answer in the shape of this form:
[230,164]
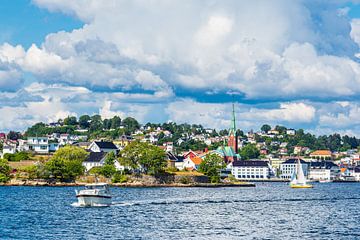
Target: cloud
[156,60]
[343,115]
[287,112]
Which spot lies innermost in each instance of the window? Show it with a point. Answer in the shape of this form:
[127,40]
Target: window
[43,147]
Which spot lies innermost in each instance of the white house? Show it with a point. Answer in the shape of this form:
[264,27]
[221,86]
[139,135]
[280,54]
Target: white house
[37,144]
[192,163]
[251,170]
[97,159]
[287,168]
[290,131]
[9,149]
[356,173]
[324,170]
[102,146]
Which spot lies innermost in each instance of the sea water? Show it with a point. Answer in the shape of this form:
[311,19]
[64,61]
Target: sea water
[268,211]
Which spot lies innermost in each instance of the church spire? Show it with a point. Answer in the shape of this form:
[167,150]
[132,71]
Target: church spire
[233,121]
[232,139]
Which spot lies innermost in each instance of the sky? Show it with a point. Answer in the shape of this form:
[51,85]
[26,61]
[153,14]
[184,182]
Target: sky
[292,63]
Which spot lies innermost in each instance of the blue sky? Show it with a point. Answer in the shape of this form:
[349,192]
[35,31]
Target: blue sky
[294,63]
[22,22]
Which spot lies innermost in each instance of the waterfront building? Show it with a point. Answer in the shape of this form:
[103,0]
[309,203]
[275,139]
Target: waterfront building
[94,159]
[97,159]
[287,168]
[356,173]
[324,170]
[251,170]
[192,163]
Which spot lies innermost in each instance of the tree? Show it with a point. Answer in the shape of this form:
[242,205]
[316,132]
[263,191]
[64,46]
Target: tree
[280,129]
[5,171]
[130,124]
[249,151]
[144,156]
[13,135]
[107,124]
[66,164]
[72,121]
[265,128]
[223,132]
[211,167]
[239,133]
[96,123]
[115,122]
[109,169]
[84,121]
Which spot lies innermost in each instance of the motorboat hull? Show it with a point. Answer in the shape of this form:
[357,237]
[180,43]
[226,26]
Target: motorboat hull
[94,200]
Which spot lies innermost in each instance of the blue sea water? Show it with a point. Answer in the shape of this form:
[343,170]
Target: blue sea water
[268,211]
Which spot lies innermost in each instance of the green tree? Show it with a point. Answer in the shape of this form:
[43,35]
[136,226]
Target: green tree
[265,128]
[96,123]
[5,171]
[109,169]
[66,164]
[70,121]
[115,122]
[249,151]
[13,135]
[84,121]
[149,158]
[280,129]
[211,167]
[130,124]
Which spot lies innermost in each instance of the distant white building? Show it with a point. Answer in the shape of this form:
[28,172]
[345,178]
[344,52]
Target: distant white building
[9,149]
[37,144]
[97,159]
[102,146]
[290,131]
[324,170]
[251,170]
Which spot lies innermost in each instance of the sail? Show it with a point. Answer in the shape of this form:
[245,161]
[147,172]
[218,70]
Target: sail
[294,177]
[300,174]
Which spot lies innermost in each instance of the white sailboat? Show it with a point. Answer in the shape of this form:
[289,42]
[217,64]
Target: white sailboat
[298,179]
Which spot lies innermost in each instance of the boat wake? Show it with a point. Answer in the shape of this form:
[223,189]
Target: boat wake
[221,201]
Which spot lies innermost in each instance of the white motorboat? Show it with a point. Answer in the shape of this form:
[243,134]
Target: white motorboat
[94,195]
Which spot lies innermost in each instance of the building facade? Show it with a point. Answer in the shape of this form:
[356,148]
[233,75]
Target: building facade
[287,168]
[324,170]
[251,170]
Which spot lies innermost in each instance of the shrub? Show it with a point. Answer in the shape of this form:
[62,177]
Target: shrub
[5,170]
[118,177]
[16,157]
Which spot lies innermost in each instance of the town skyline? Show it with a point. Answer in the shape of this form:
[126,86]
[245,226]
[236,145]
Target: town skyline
[63,59]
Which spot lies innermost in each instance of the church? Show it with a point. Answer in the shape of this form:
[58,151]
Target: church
[230,152]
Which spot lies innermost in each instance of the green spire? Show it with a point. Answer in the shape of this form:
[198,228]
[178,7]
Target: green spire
[233,121]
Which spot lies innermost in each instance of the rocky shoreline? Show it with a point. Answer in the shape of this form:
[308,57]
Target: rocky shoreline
[129,185]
